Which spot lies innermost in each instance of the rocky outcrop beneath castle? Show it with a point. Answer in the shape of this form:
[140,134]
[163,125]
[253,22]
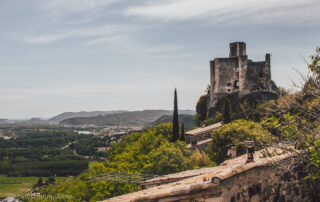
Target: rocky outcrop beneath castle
[241,76]
[277,178]
[236,99]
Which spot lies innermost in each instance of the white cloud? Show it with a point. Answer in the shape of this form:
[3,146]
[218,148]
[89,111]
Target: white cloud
[76,5]
[124,43]
[252,11]
[44,39]
[165,48]
[75,11]
[118,38]
[96,31]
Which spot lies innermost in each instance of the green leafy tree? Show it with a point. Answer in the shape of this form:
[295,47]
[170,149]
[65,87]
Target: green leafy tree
[315,64]
[169,158]
[215,119]
[236,133]
[81,188]
[295,120]
[201,109]
[202,159]
[314,173]
[175,122]
[149,151]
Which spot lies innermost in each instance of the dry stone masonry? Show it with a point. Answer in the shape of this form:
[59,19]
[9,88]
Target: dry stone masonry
[276,178]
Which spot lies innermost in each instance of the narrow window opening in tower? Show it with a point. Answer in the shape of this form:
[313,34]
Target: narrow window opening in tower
[261,75]
[236,84]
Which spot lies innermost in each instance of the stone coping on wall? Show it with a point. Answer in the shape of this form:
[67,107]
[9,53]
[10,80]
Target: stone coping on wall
[200,143]
[201,180]
[199,131]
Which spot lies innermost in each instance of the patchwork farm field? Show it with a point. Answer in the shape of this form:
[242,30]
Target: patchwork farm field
[14,186]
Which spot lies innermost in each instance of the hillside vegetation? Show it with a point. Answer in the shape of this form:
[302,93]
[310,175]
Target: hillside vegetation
[148,152]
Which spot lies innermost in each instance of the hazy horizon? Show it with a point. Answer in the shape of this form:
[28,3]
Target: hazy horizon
[89,55]
[59,113]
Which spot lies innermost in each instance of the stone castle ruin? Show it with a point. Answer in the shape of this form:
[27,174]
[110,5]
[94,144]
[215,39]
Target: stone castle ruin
[241,76]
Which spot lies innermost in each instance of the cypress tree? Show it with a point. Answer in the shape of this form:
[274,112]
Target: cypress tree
[175,121]
[51,180]
[40,182]
[226,112]
[182,132]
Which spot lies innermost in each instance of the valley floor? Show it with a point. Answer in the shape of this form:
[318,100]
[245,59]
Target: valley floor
[15,186]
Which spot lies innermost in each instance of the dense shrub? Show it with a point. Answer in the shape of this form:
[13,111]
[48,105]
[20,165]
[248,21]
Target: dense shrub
[236,133]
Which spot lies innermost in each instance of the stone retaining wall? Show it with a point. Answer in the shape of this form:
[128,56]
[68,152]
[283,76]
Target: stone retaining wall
[278,178]
[270,183]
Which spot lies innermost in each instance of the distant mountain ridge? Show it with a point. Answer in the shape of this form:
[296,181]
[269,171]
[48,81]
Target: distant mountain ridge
[3,120]
[134,118]
[187,119]
[68,115]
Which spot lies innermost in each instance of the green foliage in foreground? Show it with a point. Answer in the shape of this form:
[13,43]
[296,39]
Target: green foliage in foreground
[315,64]
[169,158]
[146,152]
[295,120]
[311,115]
[236,133]
[315,161]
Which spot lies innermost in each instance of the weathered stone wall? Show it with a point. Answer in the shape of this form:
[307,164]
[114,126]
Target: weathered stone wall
[270,183]
[278,178]
[255,75]
[225,75]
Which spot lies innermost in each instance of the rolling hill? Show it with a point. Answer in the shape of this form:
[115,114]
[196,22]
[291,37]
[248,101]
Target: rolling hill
[134,118]
[68,115]
[187,119]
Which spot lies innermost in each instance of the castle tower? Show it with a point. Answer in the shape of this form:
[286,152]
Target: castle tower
[268,66]
[237,49]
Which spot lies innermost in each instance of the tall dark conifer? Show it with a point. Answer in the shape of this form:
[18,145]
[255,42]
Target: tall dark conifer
[175,121]
[40,182]
[226,112]
[182,132]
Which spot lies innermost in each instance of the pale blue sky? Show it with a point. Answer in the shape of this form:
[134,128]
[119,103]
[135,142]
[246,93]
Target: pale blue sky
[73,55]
